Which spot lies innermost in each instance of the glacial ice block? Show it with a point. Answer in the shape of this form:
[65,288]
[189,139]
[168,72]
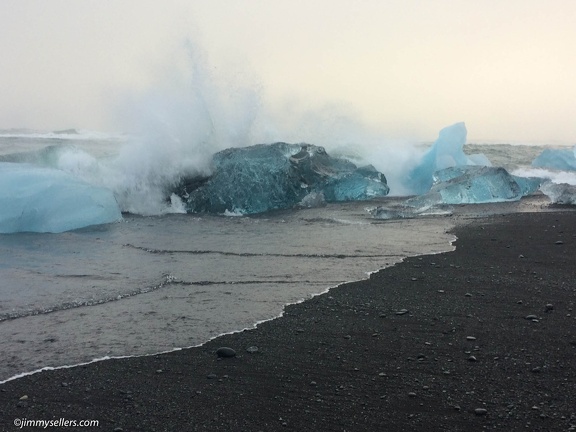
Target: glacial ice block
[264,177]
[447,151]
[560,193]
[558,159]
[474,185]
[36,199]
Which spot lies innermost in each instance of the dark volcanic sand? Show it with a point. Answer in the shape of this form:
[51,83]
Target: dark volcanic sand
[345,361]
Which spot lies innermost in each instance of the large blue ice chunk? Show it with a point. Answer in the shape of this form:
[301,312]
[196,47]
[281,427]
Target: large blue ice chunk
[474,185]
[37,199]
[447,151]
[558,159]
[528,185]
[264,177]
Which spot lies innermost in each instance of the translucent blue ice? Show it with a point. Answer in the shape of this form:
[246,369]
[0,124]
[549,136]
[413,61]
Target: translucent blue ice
[447,151]
[474,185]
[528,185]
[264,177]
[559,159]
[35,199]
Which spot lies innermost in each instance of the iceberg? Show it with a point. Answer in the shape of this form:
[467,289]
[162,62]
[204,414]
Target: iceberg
[265,177]
[447,151]
[558,159]
[474,185]
[560,193]
[39,199]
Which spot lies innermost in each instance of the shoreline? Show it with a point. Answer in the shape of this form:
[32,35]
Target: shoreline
[252,327]
[186,314]
[352,359]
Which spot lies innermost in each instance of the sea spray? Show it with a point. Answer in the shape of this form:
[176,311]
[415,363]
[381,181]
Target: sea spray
[194,110]
[180,122]
[175,127]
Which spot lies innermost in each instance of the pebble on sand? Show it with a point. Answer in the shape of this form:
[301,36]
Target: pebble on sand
[225,352]
[480,411]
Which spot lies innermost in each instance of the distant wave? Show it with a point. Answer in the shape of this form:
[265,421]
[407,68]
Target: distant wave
[66,134]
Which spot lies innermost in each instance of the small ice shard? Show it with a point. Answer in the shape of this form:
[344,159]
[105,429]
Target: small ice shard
[405,212]
[264,177]
[472,185]
[37,199]
[447,151]
[386,213]
[313,199]
[558,159]
[561,193]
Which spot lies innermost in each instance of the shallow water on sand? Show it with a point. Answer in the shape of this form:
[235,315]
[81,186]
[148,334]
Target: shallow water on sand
[152,284]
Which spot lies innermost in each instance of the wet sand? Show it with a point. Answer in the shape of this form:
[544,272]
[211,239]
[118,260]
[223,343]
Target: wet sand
[481,338]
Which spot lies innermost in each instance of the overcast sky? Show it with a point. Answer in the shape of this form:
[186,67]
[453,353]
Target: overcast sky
[403,67]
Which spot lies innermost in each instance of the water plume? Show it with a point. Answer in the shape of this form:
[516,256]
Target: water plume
[193,109]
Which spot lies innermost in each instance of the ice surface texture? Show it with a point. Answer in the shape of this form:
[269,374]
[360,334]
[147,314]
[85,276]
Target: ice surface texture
[463,185]
[559,159]
[36,199]
[446,152]
[474,185]
[264,177]
[560,193]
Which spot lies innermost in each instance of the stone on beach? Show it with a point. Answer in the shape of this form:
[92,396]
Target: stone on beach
[225,352]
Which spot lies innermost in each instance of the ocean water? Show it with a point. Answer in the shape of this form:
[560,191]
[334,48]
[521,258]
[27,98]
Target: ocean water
[161,280]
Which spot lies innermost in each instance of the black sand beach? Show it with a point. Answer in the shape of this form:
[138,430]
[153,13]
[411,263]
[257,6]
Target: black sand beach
[482,338]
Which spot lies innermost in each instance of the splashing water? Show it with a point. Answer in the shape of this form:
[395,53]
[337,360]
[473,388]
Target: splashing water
[176,127]
[193,111]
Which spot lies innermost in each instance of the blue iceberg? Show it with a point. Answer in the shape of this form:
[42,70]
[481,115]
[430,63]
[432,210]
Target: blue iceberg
[265,177]
[558,159]
[475,185]
[528,185]
[447,151]
[38,199]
